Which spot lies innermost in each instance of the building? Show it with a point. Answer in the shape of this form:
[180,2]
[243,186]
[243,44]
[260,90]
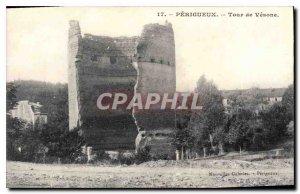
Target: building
[142,64]
[29,112]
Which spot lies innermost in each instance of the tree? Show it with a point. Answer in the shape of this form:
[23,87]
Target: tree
[71,143]
[60,117]
[219,138]
[238,128]
[291,129]
[275,121]
[183,139]
[63,144]
[11,99]
[288,101]
[204,123]
[257,135]
[14,126]
[29,144]
[248,99]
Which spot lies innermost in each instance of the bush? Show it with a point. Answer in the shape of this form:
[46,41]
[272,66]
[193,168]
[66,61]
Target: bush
[143,155]
[30,146]
[81,159]
[161,157]
[63,144]
[213,151]
[101,155]
[126,158]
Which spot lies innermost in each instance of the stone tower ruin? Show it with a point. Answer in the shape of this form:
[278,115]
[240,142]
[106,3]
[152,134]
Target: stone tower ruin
[141,64]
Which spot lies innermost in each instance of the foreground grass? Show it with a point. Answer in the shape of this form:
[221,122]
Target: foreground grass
[153,174]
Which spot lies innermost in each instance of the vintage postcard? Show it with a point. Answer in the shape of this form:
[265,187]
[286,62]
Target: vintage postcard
[150,97]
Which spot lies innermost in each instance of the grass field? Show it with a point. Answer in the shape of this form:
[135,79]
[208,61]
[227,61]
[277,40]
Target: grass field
[153,174]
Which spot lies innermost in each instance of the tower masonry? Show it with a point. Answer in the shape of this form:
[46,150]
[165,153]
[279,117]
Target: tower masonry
[140,64]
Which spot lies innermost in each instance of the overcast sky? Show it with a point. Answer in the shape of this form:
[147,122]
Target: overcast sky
[233,52]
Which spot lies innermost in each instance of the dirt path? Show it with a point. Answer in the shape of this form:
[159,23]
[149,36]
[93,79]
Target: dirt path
[159,174]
